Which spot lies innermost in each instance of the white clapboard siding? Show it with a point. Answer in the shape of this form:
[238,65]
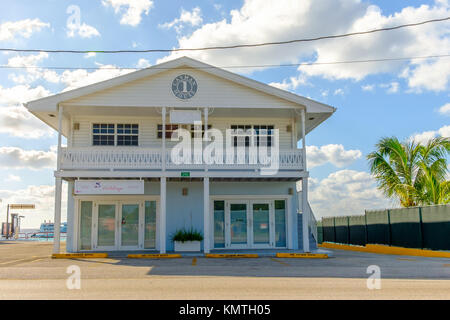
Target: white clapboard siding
[148,129]
[156,91]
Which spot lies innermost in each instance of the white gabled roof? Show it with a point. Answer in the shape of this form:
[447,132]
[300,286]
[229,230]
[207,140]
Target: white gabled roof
[49,104]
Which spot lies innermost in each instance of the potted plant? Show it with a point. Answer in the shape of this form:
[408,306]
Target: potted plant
[187,240]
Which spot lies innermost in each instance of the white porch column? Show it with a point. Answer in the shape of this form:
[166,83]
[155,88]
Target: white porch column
[294,134]
[162,217]
[58,188]
[205,136]
[206,223]
[305,208]
[163,140]
[206,215]
[205,116]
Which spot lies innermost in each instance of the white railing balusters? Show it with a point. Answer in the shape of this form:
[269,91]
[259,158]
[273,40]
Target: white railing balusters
[147,158]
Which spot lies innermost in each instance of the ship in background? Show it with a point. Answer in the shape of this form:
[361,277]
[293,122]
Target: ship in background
[47,228]
[44,233]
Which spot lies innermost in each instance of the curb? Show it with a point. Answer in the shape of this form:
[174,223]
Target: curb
[382,249]
[78,255]
[231,255]
[302,255]
[153,256]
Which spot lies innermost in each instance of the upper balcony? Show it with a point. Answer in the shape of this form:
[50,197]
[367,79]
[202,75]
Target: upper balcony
[129,158]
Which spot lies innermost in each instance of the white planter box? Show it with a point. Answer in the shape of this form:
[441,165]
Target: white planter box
[187,246]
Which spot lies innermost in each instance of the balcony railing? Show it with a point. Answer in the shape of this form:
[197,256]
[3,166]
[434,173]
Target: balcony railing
[151,159]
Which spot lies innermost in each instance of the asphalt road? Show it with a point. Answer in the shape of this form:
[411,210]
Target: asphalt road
[28,272]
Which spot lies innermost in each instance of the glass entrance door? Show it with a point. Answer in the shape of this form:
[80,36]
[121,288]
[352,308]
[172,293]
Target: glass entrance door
[129,225]
[106,226]
[261,224]
[118,225]
[237,225]
[249,224]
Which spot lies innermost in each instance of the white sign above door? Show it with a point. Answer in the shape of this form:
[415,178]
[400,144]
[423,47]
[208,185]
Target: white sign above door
[109,187]
[185,116]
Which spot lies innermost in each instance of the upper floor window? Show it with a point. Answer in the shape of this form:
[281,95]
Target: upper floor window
[170,128]
[103,134]
[195,130]
[110,134]
[241,134]
[261,135]
[127,134]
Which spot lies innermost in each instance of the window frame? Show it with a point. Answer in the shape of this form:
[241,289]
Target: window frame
[115,134]
[100,134]
[253,138]
[188,127]
[131,134]
[171,130]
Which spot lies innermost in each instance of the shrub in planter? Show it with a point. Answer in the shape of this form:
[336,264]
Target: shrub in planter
[187,240]
[184,235]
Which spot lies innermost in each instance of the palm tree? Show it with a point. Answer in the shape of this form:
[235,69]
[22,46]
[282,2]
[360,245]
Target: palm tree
[434,170]
[410,172]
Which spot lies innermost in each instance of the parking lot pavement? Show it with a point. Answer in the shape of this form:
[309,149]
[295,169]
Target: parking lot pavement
[16,252]
[344,276]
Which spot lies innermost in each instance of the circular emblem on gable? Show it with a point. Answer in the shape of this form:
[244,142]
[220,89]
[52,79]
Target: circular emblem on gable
[184,86]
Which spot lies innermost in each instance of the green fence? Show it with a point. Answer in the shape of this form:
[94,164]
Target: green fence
[418,227]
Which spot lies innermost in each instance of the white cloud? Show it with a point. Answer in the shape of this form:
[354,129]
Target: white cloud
[444,131]
[17,121]
[83,30]
[71,78]
[339,92]
[20,94]
[33,73]
[445,109]
[143,63]
[24,28]
[391,87]
[431,75]
[42,196]
[82,77]
[13,178]
[27,60]
[17,158]
[274,20]
[332,153]
[345,192]
[90,55]
[425,136]
[193,18]
[290,84]
[131,10]
[368,87]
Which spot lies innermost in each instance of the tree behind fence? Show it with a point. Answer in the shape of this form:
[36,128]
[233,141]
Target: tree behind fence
[418,227]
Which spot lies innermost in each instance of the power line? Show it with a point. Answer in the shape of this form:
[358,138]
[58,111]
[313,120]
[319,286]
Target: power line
[231,46]
[234,67]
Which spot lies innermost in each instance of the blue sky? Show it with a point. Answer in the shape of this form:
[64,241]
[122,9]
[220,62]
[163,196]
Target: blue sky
[404,99]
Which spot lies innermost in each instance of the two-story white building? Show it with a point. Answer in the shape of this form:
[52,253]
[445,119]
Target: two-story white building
[129,190]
